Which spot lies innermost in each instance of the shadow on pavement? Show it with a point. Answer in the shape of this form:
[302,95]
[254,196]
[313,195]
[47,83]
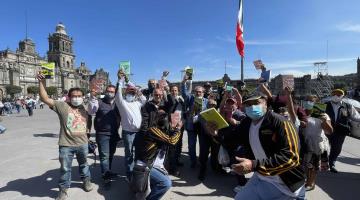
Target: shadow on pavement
[349,160]
[38,186]
[343,185]
[51,135]
[221,183]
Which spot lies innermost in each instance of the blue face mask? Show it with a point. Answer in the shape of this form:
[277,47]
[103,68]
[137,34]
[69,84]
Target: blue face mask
[308,105]
[255,112]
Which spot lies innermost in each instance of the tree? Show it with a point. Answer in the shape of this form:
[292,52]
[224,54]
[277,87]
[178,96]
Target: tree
[12,90]
[52,90]
[33,89]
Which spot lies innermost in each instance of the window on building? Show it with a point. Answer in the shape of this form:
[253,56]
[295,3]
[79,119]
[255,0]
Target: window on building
[68,64]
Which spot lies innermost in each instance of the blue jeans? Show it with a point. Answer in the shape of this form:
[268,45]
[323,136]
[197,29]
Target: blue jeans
[257,189]
[159,184]
[128,138]
[66,155]
[107,148]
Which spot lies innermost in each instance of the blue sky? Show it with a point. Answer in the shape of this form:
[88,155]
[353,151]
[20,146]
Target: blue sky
[157,35]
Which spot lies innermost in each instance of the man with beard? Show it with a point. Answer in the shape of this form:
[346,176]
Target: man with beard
[175,104]
[152,142]
[106,124]
[149,91]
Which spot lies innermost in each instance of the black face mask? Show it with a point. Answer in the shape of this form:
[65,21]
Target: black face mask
[151,88]
[162,121]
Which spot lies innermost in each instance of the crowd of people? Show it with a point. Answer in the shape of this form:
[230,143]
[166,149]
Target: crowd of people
[284,143]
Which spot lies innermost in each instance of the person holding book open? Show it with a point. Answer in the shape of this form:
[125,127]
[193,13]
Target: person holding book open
[272,153]
[230,109]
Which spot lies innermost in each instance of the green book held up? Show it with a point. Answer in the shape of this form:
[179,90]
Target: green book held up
[212,115]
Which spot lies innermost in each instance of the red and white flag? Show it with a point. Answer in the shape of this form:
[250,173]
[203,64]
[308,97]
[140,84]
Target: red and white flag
[239,31]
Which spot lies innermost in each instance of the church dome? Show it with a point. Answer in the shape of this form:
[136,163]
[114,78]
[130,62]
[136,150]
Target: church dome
[60,28]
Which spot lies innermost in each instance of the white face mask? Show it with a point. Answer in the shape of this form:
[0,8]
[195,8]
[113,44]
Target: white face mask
[76,101]
[129,97]
[336,99]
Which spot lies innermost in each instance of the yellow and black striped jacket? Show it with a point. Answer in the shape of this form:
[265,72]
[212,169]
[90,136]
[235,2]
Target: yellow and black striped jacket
[280,142]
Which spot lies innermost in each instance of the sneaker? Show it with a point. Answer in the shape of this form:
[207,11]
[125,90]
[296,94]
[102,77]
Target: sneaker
[238,188]
[62,195]
[87,185]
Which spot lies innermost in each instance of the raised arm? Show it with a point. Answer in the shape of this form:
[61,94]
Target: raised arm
[290,105]
[120,85]
[265,90]
[186,90]
[238,97]
[42,91]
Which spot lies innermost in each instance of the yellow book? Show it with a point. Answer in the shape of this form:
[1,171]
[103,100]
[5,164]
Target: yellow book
[48,70]
[212,115]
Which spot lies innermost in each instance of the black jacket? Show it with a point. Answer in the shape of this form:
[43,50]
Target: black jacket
[107,119]
[280,142]
[342,125]
[152,137]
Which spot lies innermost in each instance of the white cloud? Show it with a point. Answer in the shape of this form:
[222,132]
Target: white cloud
[267,43]
[349,27]
[257,42]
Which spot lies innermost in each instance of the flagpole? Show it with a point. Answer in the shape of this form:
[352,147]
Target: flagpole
[242,68]
[242,57]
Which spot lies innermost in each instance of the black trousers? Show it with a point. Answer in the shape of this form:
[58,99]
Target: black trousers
[174,153]
[336,141]
[207,145]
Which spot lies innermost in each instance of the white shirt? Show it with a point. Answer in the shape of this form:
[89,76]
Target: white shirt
[93,106]
[259,154]
[354,115]
[313,132]
[130,112]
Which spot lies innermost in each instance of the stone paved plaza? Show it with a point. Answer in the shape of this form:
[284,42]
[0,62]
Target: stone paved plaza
[29,168]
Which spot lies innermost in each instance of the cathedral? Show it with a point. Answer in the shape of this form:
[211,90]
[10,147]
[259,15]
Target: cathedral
[20,67]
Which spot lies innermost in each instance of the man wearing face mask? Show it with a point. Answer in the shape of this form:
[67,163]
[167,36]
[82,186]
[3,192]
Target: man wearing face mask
[72,137]
[272,147]
[129,109]
[106,124]
[340,114]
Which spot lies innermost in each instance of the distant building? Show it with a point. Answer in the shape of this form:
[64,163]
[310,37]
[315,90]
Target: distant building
[99,80]
[20,67]
[278,83]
